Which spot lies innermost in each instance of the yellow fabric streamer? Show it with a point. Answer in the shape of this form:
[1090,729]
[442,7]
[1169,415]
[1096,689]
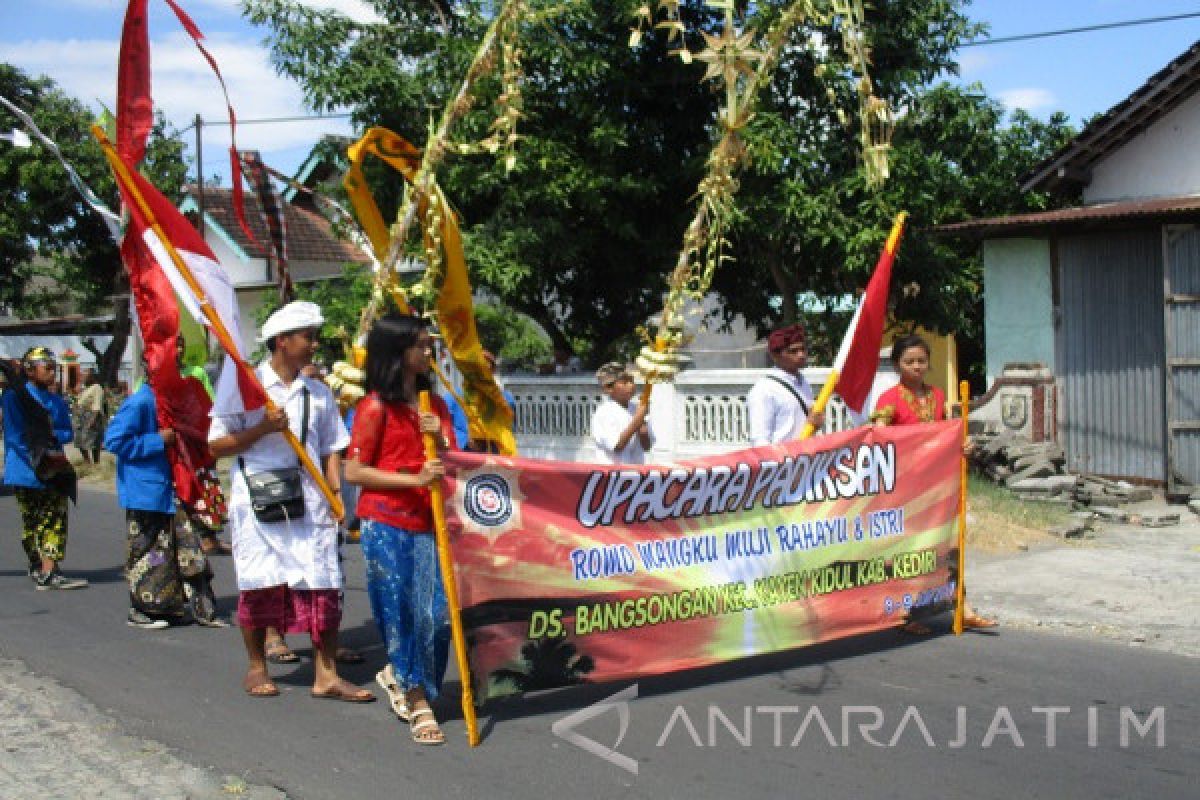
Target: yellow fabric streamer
[489,416]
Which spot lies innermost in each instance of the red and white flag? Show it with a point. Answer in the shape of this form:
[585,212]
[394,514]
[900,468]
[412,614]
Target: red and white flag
[858,358]
[238,389]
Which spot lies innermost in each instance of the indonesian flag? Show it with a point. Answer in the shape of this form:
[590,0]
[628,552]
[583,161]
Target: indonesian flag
[237,389]
[858,358]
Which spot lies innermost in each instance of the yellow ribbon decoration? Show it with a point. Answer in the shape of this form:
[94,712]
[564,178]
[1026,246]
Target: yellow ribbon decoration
[489,416]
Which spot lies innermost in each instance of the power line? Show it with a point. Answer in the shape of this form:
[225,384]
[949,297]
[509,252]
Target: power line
[1086,29]
[301,118]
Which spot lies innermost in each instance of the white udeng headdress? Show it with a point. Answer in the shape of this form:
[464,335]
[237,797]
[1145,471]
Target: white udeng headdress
[298,315]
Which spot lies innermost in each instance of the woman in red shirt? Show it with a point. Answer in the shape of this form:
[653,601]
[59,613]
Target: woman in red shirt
[387,460]
[911,402]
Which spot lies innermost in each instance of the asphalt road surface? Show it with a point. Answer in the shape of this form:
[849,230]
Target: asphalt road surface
[1017,714]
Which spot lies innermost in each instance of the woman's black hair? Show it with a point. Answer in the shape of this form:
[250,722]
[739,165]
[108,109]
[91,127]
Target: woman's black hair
[387,343]
[912,340]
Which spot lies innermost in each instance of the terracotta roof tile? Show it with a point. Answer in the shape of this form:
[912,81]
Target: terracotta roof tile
[310,237]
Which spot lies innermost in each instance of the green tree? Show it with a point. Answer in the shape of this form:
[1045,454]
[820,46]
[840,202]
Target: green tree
[46,228]
[810,231]
[579,235]
[956,156]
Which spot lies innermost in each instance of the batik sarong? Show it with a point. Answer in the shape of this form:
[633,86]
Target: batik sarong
[408,602]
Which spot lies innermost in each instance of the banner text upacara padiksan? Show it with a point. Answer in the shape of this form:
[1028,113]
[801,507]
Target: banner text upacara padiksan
[662,494]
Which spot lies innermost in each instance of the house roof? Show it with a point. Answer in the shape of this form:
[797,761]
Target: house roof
[72,323]
[310,237]
[1071,166]
[1079,218]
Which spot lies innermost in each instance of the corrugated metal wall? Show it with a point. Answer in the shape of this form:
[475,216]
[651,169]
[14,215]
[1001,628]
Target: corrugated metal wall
[1183,350]
[1112,409]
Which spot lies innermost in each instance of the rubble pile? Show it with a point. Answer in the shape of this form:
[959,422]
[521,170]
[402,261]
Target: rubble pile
[1037,472]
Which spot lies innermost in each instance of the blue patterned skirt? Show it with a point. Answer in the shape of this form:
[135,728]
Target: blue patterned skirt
[408,602]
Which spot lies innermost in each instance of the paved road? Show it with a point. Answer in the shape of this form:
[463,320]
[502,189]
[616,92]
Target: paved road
[180,689]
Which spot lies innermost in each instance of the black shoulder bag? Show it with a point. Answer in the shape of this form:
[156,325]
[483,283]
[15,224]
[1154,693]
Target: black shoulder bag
[278,494]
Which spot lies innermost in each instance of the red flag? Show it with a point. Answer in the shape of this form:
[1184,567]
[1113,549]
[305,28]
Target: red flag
[215,288]
[858,358]
[235,162]
[135,108]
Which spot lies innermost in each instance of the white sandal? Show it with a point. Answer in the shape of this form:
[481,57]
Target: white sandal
[386,678]
[424,725]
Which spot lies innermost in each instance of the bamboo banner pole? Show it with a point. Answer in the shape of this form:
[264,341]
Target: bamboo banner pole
[822,400]
[960,591]
[216,324]
[447,567]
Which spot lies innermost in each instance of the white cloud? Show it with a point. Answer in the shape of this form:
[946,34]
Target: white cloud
[357,10]
[972,61]
[184,85]
[1030,99]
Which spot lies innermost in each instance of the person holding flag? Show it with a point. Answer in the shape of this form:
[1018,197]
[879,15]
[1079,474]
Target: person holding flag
[912,402]
[37,424]
[165,566]
[288,573]
[780,403]
[387,460]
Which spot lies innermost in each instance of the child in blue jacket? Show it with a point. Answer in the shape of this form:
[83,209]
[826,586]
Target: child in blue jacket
[165,565]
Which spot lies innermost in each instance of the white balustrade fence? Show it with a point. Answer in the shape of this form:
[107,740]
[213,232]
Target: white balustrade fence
[702,413]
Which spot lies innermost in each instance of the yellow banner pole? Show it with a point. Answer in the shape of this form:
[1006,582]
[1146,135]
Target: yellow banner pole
[218,326]
[447,567]
[960,594]
[822,400]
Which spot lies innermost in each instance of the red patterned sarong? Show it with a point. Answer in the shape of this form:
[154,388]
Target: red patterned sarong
[288,610]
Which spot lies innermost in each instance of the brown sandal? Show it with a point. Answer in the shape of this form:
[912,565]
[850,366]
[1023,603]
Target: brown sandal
[976,622]
[277,652]
[260,688]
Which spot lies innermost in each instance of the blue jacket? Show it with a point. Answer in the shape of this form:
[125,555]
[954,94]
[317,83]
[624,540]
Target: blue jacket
[143,472]
[18,469]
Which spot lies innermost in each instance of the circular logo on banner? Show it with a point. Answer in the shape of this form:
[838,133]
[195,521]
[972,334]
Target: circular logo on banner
[487,500]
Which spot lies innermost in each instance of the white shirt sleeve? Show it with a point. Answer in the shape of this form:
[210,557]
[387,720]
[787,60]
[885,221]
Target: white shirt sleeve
[758,413]
[607,427]
[224,424]
[332,430]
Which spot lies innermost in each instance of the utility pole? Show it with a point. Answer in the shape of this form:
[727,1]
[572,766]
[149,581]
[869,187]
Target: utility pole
[200,173]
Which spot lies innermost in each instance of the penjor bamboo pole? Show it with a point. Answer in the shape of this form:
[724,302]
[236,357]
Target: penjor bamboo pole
[960,592]
[447,567]
[214,319]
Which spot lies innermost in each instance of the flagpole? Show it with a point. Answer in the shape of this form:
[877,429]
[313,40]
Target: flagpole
[215,322]
[889,251]
[960,591]
[447,567]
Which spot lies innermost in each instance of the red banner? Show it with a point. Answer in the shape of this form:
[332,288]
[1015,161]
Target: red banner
[572,573]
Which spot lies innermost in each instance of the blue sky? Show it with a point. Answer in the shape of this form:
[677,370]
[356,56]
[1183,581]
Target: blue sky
[75,43]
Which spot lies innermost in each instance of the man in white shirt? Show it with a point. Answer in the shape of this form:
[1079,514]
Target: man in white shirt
[288,573]
[619,425]
[780,402]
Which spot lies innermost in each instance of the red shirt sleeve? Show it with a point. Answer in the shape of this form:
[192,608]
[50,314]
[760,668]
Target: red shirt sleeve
[367,436]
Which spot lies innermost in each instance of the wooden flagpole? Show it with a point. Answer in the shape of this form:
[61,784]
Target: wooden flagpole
[214,319]
[447,567]
[960,591]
